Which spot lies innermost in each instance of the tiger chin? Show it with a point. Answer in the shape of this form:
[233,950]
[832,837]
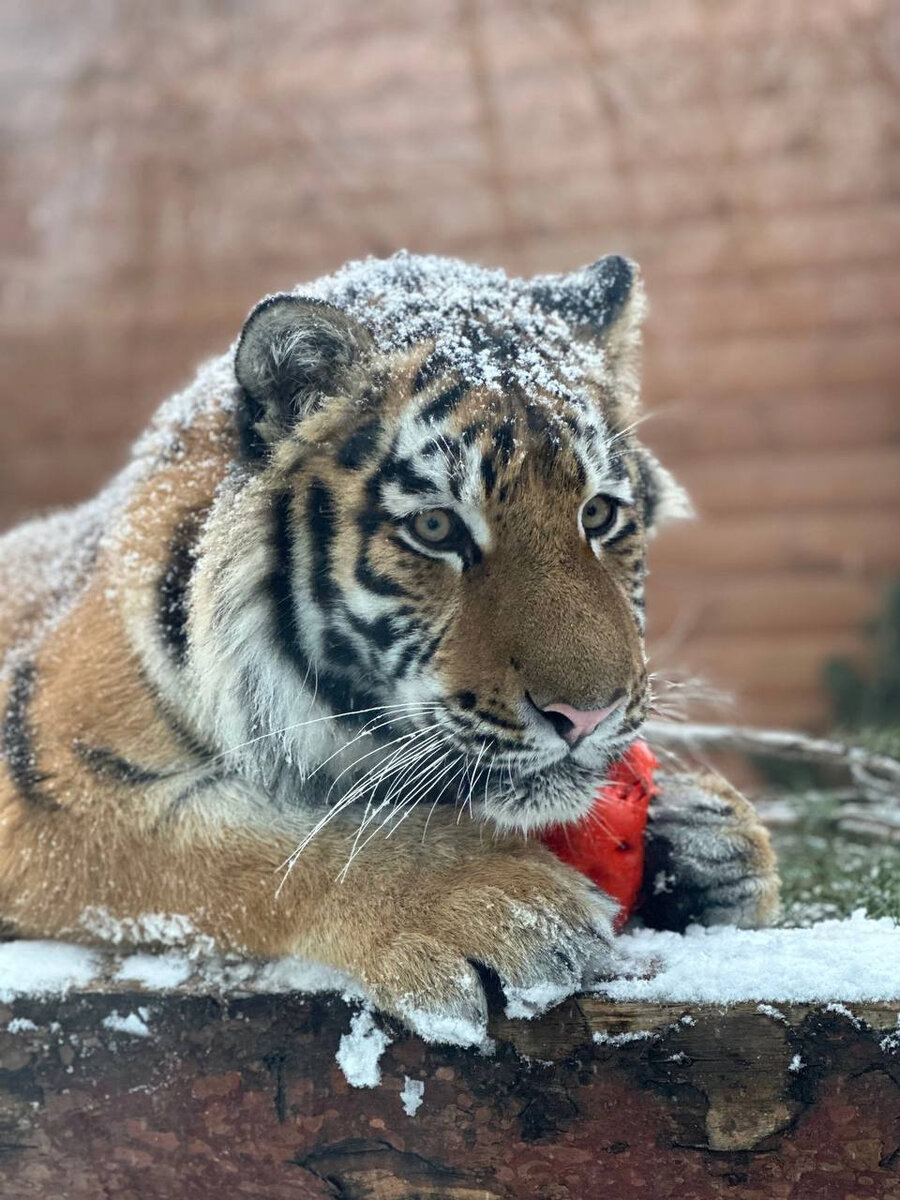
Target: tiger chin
[363,611]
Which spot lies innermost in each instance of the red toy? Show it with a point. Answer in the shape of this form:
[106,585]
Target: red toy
[607,845]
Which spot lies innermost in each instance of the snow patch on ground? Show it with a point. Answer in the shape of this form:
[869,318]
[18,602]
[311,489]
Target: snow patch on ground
[841,960]
[44,968]
[361,1049]
[412,1095]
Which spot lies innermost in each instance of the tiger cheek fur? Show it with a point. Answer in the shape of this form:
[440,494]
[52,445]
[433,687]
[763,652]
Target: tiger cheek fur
[350,583]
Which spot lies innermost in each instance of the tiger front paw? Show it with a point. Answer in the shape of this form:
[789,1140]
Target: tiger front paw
[541,928]
[708,858]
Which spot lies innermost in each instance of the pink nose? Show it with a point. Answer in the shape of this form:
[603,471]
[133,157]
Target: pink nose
[573,724]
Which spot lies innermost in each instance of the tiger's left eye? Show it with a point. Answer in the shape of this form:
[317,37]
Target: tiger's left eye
[599,514]
[434,525]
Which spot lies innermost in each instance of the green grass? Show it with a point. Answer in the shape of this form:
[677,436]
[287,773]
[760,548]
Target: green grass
[827,873]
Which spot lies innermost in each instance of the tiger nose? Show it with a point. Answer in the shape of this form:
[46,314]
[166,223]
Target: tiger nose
[574,724]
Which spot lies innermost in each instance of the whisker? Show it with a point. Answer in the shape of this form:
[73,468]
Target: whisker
[370,817]
[344,803]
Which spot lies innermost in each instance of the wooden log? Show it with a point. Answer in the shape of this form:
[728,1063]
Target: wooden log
[205,1095]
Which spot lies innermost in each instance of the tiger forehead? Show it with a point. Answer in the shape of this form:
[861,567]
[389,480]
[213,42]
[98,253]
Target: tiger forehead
[506,432]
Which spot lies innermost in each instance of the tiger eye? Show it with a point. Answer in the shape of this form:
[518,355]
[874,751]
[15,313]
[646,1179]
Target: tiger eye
[599,513]
[433,525]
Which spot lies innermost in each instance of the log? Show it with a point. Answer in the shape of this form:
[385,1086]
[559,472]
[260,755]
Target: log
[123,1093]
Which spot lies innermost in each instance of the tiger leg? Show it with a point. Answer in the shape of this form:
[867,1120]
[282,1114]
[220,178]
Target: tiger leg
[708,857]
[409,918]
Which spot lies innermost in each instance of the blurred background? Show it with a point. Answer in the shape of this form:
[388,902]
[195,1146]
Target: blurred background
[163,165]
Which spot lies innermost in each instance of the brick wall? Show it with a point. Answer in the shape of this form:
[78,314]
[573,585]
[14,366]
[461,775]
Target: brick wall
[166,164]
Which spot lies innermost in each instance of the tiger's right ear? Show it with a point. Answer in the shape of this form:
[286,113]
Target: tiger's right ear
[293,352]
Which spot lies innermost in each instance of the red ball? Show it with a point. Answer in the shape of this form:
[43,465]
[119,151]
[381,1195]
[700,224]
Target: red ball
[607,844]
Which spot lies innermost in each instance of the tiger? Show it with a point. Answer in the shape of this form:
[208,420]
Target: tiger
[361,615]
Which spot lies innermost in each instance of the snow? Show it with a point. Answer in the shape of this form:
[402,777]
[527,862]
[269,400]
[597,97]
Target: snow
[134,1023]
[836,963]
[851,960]
[601,1038]
[408,299]
[527,1002]
[298,975]
[168,929]
[412,1095]
[44,968]
[767,1010]
[21,1025]
[449,1027]
[360,1050]
[156,972]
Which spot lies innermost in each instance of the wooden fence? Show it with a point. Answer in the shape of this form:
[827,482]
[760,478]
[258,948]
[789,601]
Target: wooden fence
[166,164]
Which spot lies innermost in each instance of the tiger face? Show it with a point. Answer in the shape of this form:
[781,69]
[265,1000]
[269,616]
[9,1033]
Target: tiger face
[460,514]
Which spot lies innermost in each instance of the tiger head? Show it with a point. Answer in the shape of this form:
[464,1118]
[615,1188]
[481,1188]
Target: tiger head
[463,509]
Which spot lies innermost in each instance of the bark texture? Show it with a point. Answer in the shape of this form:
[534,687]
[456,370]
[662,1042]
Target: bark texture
[242,1097]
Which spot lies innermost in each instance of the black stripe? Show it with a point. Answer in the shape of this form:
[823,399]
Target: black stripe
[470,731]
[626,531]
[340,694]
[433,365]
[383,632]
[411,549]
[500,722]
[105,762]
[401,470]
[473,431]
[444,404]
[338,648]
[504,443]
[18,740]
[359,447]
[174,584]
[537,419]
[406,659]
[320,516]
[431,647]
[280,583]
[381,585]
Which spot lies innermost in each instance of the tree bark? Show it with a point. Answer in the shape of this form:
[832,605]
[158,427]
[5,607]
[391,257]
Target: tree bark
[242,1096]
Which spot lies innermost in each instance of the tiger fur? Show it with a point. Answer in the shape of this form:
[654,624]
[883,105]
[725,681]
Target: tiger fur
[244,687]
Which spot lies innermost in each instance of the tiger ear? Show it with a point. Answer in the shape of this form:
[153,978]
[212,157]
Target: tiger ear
[292,353]
[605,304]
[662,497]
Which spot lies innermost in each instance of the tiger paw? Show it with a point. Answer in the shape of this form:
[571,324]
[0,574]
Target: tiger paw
[541,928]
[708,858]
